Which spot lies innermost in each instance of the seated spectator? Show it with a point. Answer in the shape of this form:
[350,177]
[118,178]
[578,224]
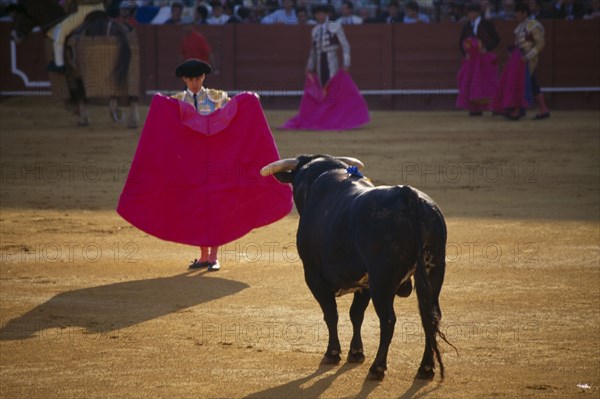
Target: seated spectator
[454,12]
[247,15]
[489,9]
[348,17]
[303,18]
[568,9]
[413,15]
[506,11]
[286,15]
[127,13]
[176,13]
[146,13]
[200,16]
[538,11]
[594,11]
[218,14]
[164,13]
[394,16]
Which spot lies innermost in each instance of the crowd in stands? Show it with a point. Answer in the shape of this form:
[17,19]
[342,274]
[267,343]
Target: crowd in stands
[219,12]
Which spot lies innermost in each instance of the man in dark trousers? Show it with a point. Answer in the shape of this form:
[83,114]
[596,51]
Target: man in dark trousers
[477,82]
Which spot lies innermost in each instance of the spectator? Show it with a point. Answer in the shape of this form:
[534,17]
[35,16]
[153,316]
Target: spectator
[286,15]
[348,17]
[506,11]
[200,17]
[413,15]
[568,9]
[229,10]
[163,14]
[146,13]
[594,11]
[176,13]
[247,15]
[454,12]
[537,10]
[127,13]
[303,18]
[218,16]
[489,9]
[394,16]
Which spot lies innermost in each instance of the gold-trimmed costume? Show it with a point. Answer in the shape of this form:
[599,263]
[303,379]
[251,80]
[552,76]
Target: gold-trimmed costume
[208,100]
[529,37]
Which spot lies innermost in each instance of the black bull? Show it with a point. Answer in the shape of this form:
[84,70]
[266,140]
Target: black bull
[355,237]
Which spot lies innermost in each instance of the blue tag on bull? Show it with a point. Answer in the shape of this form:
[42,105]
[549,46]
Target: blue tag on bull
[353,170]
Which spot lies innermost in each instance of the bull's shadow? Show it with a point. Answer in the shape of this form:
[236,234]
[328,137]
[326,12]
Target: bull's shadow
[302,387]
[115,306]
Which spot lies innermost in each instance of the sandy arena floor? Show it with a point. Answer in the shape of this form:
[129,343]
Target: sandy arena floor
[91,307]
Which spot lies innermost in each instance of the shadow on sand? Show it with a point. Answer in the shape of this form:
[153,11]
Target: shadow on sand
[108,308]
[313,386]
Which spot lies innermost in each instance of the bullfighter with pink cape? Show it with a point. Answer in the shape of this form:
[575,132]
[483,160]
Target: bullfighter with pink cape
[195,178]
[514,90]
[337,106]
[331,100]
[477,78]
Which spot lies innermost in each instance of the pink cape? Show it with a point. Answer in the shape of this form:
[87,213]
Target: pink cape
[195,178]
[339,106]
[513,90]
[477,78]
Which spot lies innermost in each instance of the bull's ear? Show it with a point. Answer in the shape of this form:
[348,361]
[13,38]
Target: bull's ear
[284,177]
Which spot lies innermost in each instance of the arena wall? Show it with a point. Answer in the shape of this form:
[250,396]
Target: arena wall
[396,66]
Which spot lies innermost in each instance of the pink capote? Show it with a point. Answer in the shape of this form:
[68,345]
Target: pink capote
[512,89]
[477,78]
[195,178]
[339,106]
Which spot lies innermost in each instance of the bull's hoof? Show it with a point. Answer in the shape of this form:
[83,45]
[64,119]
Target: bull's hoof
[376,373]
[331,359]
[425,373]
[356,356]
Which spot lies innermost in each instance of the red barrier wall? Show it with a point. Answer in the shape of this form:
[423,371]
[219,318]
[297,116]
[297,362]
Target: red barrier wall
[258,57]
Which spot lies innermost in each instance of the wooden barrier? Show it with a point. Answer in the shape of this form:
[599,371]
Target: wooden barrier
[384,57]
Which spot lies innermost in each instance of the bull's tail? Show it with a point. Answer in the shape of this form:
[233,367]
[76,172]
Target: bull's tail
[430,315]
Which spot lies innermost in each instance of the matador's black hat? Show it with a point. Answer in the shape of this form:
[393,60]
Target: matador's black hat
[192,68]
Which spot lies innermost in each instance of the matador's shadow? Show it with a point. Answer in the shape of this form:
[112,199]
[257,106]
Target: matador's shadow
[112,307]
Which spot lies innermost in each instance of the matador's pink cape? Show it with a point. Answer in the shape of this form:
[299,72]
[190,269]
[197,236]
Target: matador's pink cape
[514,88]
[195,178]
[339,106]
[477,78]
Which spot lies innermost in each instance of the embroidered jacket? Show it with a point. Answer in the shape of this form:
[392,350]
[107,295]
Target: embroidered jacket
[529,37]
[208,99]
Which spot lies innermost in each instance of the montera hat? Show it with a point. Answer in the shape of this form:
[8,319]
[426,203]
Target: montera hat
[192,68]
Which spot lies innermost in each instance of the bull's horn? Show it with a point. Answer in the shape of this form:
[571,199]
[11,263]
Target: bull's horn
[283,165]
[351,161]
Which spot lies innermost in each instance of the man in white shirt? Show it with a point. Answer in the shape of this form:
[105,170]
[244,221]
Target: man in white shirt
[286,15]
[218,16]
[348,17]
